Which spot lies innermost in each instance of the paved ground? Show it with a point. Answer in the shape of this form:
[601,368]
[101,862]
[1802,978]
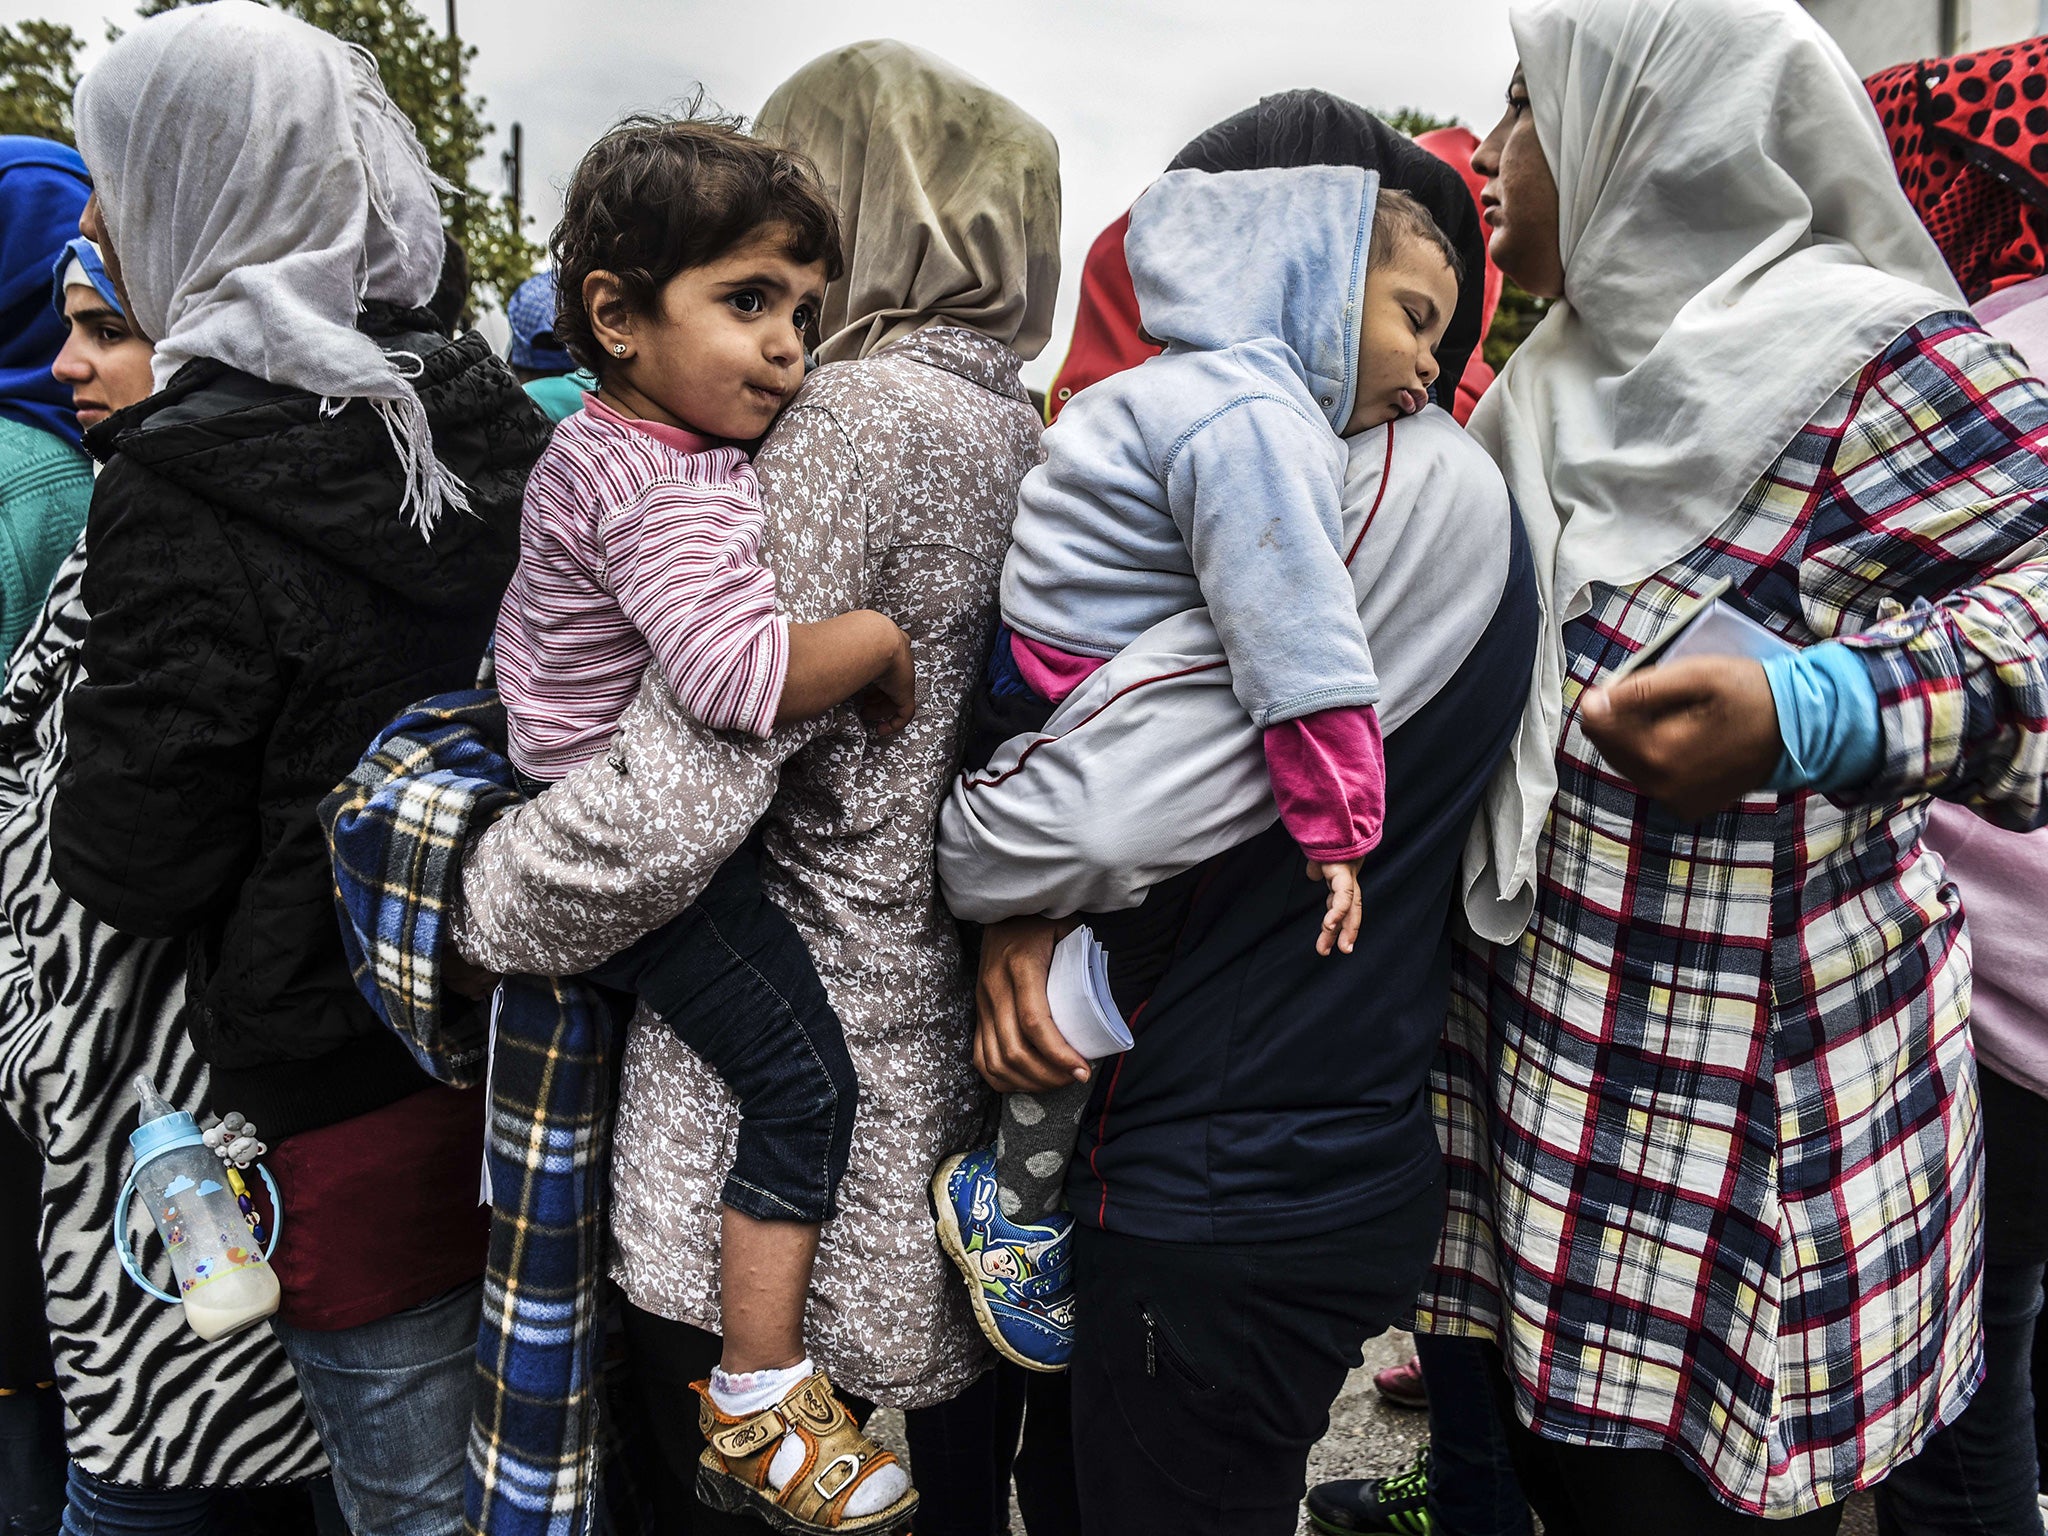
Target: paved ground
[1369,1439]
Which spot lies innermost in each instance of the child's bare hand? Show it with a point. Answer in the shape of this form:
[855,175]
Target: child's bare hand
[464,979]
[1347,906]
[891,699]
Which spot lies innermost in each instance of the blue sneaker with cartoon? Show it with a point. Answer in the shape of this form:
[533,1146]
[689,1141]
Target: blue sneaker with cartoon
[1020,1276]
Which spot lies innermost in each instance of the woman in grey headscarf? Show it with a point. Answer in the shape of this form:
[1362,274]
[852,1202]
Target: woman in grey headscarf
[307,527]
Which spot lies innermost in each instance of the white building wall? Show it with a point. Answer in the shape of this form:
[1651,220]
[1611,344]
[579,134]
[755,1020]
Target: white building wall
[1988,23]
[1878,33]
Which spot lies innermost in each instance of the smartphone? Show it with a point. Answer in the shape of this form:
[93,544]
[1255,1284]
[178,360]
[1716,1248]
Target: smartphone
[1686,614]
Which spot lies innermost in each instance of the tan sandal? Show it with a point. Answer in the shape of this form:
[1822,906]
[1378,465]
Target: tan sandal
[732,1474]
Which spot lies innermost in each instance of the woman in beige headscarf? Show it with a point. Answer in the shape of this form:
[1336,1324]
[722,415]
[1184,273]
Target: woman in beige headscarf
[890,483]
[948,198]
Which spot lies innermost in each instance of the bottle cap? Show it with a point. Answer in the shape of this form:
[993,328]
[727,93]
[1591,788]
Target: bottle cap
[177,1129]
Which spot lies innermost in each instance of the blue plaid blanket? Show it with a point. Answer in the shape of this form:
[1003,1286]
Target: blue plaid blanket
[397,828]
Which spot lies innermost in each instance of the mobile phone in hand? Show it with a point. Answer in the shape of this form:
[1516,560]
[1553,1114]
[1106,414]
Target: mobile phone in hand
[1684,617]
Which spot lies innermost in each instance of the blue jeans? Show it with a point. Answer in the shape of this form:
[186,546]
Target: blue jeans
[31,1462]
[99,1508]
[732,979]
[1472,1486]
[391,1401]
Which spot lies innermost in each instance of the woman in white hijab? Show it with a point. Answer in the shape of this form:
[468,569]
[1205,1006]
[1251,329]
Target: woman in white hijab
[1711,1111]
[308,526]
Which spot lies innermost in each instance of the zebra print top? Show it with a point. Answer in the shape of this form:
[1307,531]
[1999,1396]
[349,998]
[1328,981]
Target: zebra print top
[83,1009]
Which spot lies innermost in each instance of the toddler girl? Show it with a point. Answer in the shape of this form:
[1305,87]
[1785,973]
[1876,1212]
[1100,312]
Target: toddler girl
[690,262]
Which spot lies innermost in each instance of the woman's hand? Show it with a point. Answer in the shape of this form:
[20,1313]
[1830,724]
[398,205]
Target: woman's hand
[1017,1047]
[1696,734]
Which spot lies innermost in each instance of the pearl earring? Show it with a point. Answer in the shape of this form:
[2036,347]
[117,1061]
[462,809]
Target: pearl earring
[619,348]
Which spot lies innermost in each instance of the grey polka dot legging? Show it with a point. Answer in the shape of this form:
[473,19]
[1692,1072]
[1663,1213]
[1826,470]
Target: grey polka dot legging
[1033,1147]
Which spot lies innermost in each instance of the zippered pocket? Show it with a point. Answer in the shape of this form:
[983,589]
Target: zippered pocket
[1162,1347]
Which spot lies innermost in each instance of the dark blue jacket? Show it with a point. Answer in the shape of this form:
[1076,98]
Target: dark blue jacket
[1273,1093]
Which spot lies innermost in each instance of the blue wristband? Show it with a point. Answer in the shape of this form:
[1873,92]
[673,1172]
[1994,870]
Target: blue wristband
[1827,719]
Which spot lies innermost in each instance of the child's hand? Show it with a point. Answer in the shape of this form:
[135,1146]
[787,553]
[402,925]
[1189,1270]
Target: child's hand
[464,979]
[891,699]
[1347,906]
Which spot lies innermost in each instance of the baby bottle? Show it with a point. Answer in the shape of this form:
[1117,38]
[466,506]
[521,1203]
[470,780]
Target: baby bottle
[210,1227]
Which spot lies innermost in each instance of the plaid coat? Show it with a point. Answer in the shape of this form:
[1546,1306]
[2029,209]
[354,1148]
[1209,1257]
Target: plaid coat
[433,780]
[1712,1122]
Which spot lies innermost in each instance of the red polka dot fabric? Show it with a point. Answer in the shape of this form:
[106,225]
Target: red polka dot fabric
[1970,138]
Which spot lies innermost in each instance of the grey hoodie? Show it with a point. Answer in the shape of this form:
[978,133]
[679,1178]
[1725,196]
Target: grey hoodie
[1214,474]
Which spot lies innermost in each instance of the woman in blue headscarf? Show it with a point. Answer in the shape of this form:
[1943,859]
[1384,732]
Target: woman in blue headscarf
[45,478]
[45,484]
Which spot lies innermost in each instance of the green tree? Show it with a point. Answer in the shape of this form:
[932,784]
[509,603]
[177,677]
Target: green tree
[1413,121]
[423,70]
[1512,322]
[38,72]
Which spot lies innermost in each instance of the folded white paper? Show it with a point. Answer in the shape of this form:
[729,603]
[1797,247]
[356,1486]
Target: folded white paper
[1078,990]
[483,1189]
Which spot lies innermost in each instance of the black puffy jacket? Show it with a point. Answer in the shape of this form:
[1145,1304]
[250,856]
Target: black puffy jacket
[260,611]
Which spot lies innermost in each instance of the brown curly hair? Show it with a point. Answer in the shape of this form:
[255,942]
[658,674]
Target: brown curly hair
[657,195]
[1400,217]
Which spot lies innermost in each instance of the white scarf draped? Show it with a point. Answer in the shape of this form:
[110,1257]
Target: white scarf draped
[258,186]
[1736,248]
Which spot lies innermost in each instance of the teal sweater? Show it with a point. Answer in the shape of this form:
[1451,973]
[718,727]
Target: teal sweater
[45,488]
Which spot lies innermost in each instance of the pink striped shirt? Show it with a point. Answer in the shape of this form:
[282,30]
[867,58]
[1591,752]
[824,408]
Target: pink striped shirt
[638,543]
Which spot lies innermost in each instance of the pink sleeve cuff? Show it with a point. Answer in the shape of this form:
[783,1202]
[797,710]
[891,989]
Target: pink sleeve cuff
[1051,672]
[1329,772]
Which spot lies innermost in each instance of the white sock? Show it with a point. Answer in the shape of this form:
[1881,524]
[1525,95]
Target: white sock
[747,1392]
[750,1391]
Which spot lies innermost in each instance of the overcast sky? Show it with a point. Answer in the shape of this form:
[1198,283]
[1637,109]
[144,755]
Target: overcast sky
[1121,83]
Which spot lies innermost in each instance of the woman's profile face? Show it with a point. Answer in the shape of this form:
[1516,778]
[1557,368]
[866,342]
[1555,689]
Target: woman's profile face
[1520,199]
[104,360]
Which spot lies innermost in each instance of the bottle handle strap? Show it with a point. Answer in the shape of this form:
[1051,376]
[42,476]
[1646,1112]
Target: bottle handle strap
[126,1251]
[122,1245]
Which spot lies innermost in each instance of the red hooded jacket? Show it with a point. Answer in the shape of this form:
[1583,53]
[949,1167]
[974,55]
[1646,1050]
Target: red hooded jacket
[1107,338]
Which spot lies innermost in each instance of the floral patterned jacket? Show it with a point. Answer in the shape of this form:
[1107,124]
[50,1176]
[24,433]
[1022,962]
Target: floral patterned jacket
[891,482]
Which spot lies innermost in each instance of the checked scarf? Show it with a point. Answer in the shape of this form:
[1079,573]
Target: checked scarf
[397,828]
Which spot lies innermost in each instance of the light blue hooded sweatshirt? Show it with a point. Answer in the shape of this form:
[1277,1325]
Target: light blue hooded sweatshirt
[1214,473]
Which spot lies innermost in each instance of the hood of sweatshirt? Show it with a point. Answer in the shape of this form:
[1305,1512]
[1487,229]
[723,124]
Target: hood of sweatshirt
[331,482]
[1267,263]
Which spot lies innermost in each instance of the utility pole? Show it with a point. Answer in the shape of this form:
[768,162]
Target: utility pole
[514,160]
[455,81]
